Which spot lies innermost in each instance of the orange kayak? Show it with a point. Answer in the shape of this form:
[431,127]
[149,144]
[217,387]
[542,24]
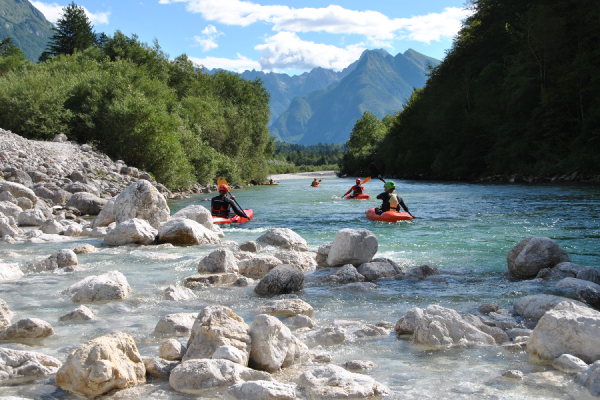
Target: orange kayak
[388,216]
[363,196]
[236,219]
[314,185]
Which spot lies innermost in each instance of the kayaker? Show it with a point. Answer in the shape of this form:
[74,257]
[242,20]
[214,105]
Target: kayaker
[314,183]
[391,201]
[220,206]
[356,189]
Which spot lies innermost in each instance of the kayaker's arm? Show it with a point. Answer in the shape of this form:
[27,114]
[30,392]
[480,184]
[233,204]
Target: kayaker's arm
[401,202]
[348,192]
[235,209]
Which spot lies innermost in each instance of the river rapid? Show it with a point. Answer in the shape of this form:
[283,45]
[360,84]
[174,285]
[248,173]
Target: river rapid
[460,227]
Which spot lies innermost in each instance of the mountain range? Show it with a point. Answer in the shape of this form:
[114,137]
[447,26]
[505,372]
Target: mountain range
[26,26]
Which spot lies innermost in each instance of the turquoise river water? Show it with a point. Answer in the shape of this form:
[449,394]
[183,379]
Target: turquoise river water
[460,227]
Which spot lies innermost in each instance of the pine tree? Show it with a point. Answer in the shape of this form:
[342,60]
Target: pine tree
[73,31]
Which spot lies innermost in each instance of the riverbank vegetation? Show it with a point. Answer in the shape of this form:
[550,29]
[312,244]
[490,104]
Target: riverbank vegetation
[290,158]
[516,94]
[133,102]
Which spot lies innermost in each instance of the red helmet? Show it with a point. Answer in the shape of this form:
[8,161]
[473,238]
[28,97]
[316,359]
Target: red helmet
[224,188]
[358,181]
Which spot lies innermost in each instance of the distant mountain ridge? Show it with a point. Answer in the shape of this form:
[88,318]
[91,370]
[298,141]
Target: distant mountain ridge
[378,83]
[26,26]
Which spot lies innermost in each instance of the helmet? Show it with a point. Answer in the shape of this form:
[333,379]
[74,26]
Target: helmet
[390,185]
[224,188]
[358,181]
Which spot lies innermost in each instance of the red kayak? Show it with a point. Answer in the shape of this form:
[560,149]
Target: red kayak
[358,197]
[314,185]
[388,216]
[236,219]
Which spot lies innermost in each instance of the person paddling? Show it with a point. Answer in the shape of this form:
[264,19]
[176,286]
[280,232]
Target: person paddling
[391,201]
[220,205]
[314,183]
[356,189]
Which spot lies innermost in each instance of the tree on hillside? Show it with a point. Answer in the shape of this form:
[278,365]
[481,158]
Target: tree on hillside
[73,31]
[11,57]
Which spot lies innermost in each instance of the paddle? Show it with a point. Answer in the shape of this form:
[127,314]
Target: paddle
[367,179]
[222,181]
[375,171]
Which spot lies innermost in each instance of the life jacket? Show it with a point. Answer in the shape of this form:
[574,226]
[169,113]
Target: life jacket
[314,183]
[218,207]
[394,203]
[357,189]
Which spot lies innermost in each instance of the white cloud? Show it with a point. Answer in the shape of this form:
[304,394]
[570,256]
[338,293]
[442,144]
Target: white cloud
[332,19]
[208,39]
[286,50]
[53,11]
[239,65]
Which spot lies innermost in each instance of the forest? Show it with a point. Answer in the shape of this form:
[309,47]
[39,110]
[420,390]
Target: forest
[289,158]
[516,94]
[131,101]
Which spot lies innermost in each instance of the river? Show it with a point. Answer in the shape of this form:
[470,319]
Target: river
[460,227]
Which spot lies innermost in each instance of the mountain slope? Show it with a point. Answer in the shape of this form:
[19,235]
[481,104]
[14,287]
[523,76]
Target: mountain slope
[379,83]
[25,25]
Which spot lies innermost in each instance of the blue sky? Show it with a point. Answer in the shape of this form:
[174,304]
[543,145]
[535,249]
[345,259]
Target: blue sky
[277,35]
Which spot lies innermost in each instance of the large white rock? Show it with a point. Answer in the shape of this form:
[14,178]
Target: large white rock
[333,382]
[260,390]
[179,324]
[271,340]
[214,327]
[15,364]
[284,238]
[109,286]
[178,293]
[142,200]
[258,267]
[106,215]
[29,328]
[566,329]
[229,353]
[408,324]
[533,254]
[101,365]
[10,209]
[220,260]
[6,228]
[18,190]
[199,214]
[193,376]
[326,336]
[304,261]
[184,232]
[287,308]
[352,246]
[443,328]
[131,231]
[9,271]
[33,217]
[171,350]
[535,306]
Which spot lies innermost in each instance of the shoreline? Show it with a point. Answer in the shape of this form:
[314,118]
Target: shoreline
[304,175]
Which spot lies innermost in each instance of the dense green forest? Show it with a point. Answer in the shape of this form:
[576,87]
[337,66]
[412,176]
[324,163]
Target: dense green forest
[516,94]
[131,101]
[288,157]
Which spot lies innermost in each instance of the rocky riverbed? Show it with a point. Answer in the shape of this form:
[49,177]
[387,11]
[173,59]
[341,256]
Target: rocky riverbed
[139,302]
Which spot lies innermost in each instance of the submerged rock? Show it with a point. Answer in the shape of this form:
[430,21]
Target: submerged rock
[81,313]
[377,270]
[109,286]
[358,365]
[62,259]
[533,254]
[9,271]
[352,246]
[421,273]
[101,365]
[569,270]
[178,293]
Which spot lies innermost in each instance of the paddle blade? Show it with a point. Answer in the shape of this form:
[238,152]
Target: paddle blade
[367,179]
[319,180]
[221,181]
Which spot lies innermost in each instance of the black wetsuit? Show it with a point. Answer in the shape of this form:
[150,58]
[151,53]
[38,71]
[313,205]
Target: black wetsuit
[385,197]
[220,206]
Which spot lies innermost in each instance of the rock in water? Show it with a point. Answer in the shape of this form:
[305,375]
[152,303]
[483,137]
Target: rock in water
[81,313]
[179,293]
[193,376]
[15,364]
[102,364]
[109,286]
[258,267]
[5,315]
[287,308]
[333,382]
[284,238]
[196,213]
[184,232]
[304,261]
[270,343]
[533,254]
[179,324]
[142,200]
[260,390]
[171,350]
[220,260]
[536,305]
[352,246]
[214,327]
[377,270]
[9,271]
[158,368]
[566,329]
[131,231]
[281,280]
[86,203]
[29,328]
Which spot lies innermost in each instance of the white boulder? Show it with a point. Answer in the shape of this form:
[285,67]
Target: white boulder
[229,353]
[220,260]
[178,293]
[10,209]
[81,313]
[284,238]
[131,231]
[258,267]
[106,216]
[33,217]
[172,350]
[271,340]
[29,328]
[569,364]
[179,324]
[287,308]
[352,246]
[109,286]
[101,365]
[199,214]
[333,382]
[15,364]
[304,261]
[260,390]
[52,227]
[18,190]
[141,200]
[184,232]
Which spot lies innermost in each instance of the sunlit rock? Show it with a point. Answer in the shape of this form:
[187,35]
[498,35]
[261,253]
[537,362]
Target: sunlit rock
[81,313]
[260,390]
[15,364]
[304,261]
[179,324]
[109,286]
[258,267]
[287,308]
[284,238]
[533,254]
[352,246]
[220,260]
[333,382]
[141,200]
[133,230]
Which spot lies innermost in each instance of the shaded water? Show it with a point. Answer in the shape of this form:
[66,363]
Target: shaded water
[466,228]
